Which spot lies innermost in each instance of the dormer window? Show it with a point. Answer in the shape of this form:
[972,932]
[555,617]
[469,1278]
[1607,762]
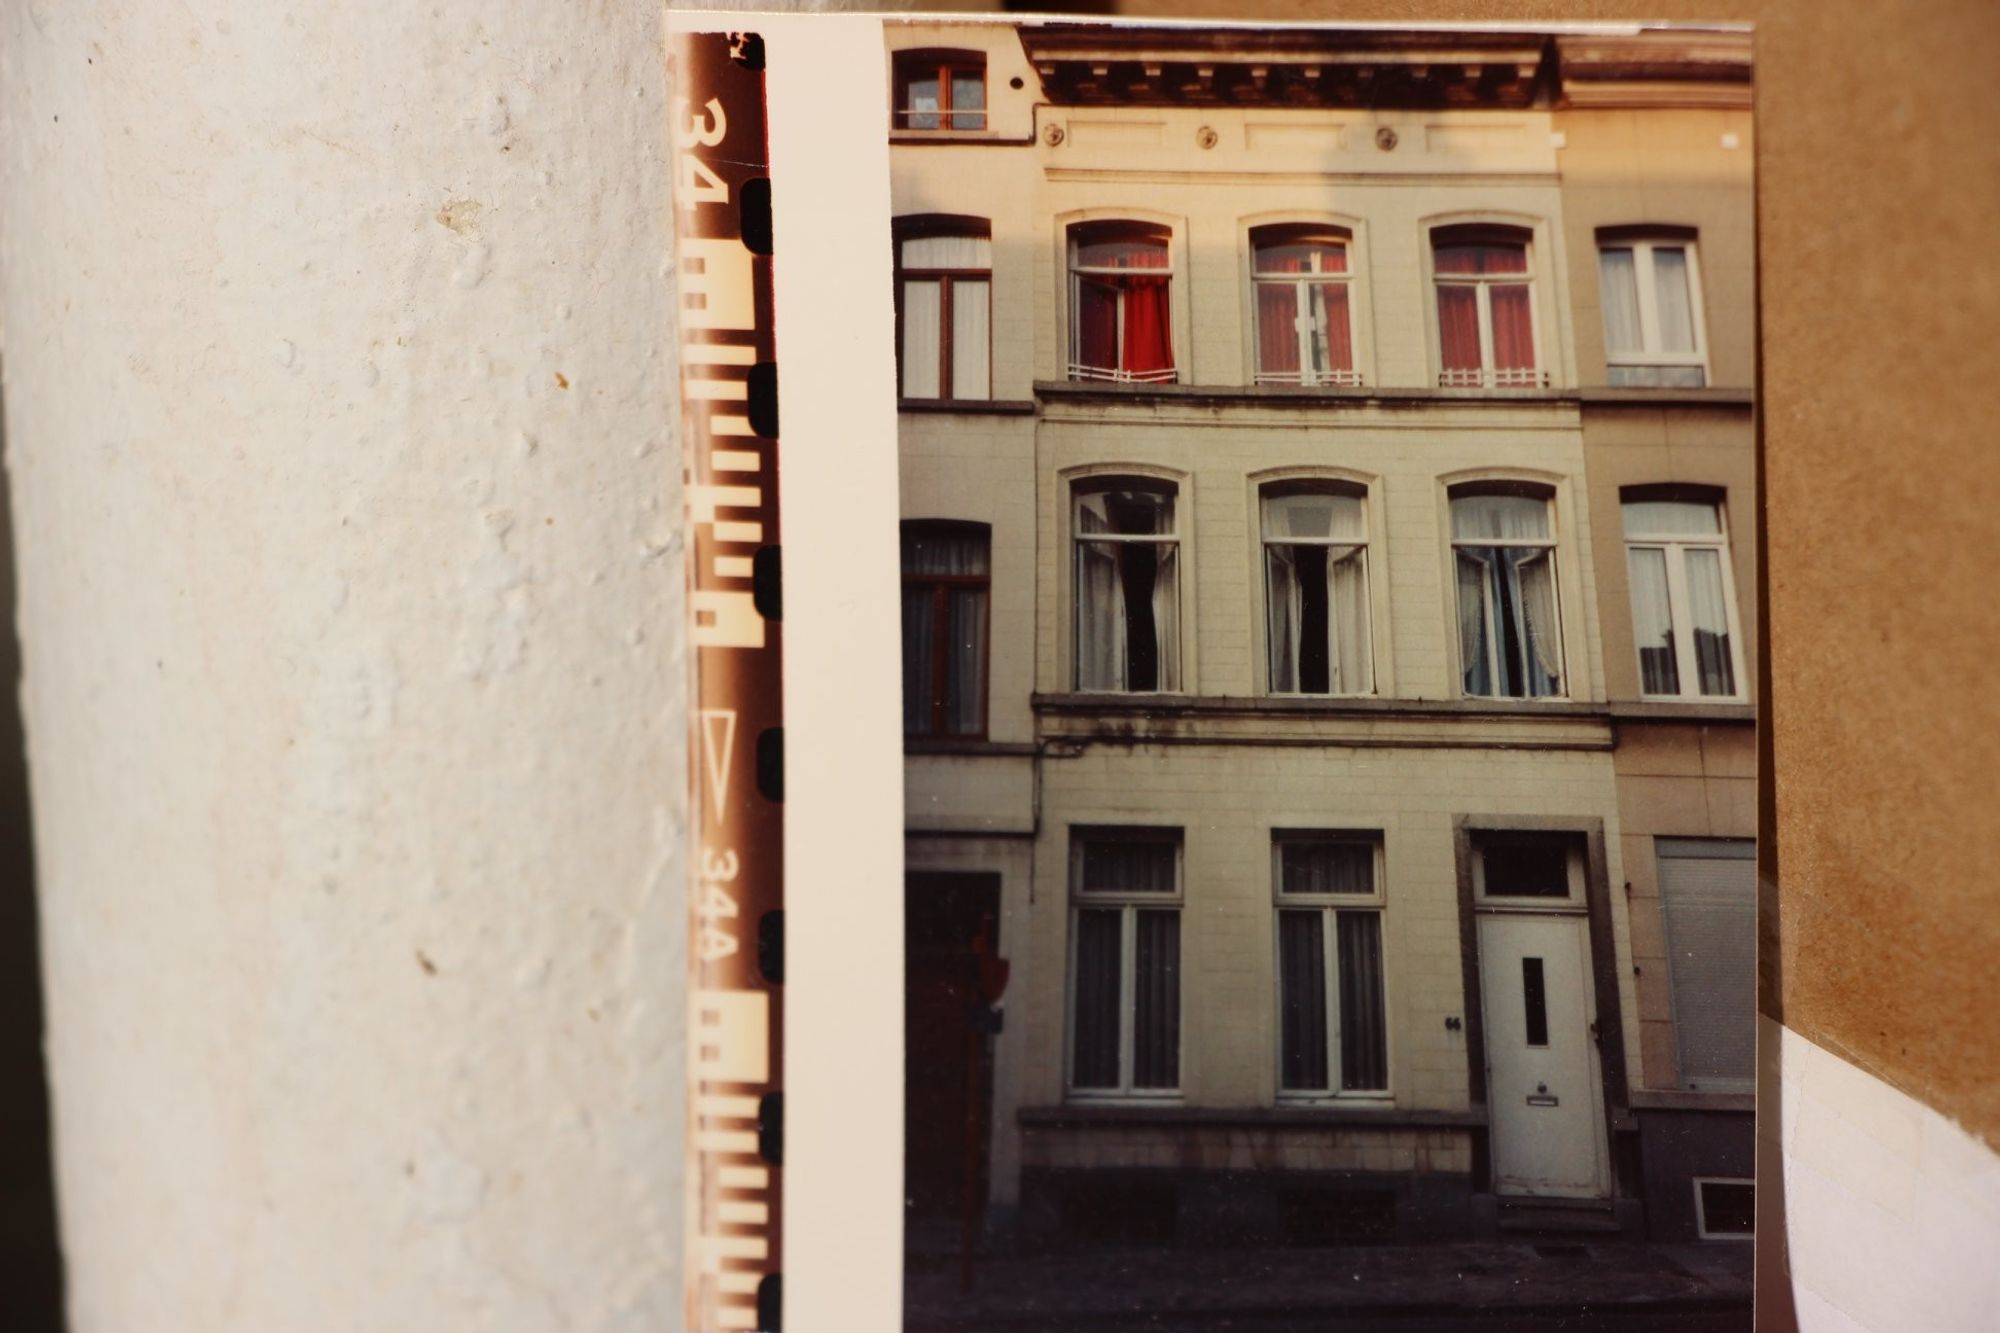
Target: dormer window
[940,90]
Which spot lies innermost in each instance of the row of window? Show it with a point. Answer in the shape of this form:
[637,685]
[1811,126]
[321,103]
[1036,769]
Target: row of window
[1127,574]
[1125,976]
[1121,293]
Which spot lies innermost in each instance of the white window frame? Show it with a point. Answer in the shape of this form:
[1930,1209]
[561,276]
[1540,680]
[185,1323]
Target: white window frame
[1326,906]
[1649,354]
[1701,1210]
[1575,872]
[1278,234]
[1553,543]
[1351,490]
[1077,371]
[1487,376]
[1675,546]
[1092,483]
[1128,904]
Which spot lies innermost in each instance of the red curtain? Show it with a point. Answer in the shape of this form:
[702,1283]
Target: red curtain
[1458,327]
[1513,329]
[1277,328]
[1148,341]
[1338,329]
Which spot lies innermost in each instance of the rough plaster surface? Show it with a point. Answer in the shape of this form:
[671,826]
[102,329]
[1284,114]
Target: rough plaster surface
[338,419]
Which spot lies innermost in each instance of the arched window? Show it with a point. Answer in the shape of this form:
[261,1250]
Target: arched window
[946,588]
[1316,588]
[1128,618]
[1304,325]
[1120,304]
[1485,306]
[1509,625]
[944,299]
[1683,601]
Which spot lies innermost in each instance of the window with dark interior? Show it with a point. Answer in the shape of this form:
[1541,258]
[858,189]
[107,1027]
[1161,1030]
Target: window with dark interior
[944,285]
[1125,960]
[946,586]
[940,90]
[1127,584]
[1316,588]
[1485,307]
[1304,322]
[1683,601]
[1120,307]
[1332,1033]
[1509,630]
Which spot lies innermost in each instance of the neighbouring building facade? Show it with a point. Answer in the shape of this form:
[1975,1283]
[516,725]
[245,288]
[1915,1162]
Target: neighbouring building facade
[1329,567]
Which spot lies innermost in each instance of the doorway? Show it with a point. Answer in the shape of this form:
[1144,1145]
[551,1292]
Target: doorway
[1543,1080]
[948,1059]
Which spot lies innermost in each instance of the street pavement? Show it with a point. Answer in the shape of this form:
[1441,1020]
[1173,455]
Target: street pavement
[1506,1287]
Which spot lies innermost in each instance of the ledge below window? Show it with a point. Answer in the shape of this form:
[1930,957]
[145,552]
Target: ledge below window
[1294,396]
[1692,711]
[1262,705]
[1660,397]
[1680,1099]
[958,746]
[1246,1117]
[973,407]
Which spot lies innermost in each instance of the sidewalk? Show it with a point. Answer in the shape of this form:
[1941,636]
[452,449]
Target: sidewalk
[1195,1288]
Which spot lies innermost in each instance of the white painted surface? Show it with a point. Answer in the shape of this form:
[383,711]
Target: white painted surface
[1541,1148]
[353,685]
[1894,1211]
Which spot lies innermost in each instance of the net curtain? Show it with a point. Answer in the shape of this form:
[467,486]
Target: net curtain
[1128,593]
[1506,596]
[1317,584]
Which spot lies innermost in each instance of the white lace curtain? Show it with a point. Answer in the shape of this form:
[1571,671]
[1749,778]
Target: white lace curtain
[1128,633]
[1317,583]
[1509,638]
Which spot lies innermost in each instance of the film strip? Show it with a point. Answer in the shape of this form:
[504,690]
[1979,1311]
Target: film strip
[729,433]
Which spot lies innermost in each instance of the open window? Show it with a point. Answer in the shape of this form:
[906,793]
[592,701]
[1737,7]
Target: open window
[1121,303]
[940,90]
[1509,622]
[1317,631]
[1485,307]
[1300,276]
[1127,584]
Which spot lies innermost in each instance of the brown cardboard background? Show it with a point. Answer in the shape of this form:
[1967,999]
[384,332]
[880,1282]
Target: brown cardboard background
[1878,185]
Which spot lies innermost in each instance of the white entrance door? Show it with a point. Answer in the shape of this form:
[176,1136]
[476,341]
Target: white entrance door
[1542,1079]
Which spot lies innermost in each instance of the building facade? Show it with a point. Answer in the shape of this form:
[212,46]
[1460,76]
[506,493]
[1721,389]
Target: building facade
[1328,474]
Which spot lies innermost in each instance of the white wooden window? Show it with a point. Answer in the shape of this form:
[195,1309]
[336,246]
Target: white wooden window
[1653,326]
[1487,336]
[1332,1024]
[1125,961]
[1121,279]
[1509,621]
[1126,584]
[1316,588]
[1304,323]
[1683,597]
[1708,890]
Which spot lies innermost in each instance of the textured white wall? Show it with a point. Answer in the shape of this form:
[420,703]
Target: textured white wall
[346,502]
[1894,1211]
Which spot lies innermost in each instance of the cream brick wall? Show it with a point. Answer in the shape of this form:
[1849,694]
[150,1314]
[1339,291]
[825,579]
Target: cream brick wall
[1226,801]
